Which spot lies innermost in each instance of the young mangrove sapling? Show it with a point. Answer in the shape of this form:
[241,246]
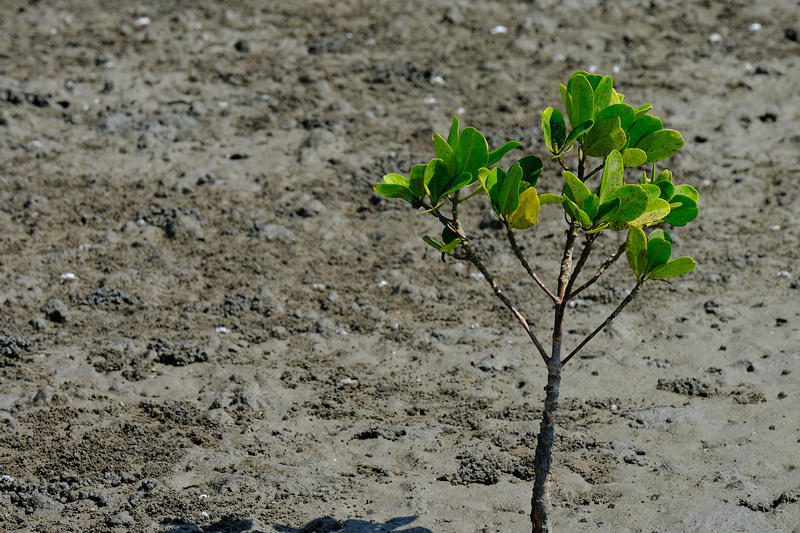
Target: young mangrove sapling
[608,136]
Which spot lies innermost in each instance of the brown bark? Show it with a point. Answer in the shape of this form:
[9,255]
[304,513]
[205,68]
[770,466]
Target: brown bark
[543,459]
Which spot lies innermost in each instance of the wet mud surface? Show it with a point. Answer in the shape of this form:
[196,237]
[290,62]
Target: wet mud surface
[209,322]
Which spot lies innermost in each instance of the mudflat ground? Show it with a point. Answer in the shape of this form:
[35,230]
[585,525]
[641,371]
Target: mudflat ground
[209,322]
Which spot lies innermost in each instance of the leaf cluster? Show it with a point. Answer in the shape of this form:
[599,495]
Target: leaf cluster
[602,123]
[601,126]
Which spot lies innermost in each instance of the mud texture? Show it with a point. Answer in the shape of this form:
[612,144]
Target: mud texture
[209,322]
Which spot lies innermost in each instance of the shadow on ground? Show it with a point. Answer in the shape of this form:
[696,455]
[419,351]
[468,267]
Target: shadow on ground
[328,525]
[324,524]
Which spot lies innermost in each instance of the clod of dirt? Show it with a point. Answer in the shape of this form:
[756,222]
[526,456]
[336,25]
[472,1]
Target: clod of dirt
[56,311]
[12,347]
[486,470]
[105,295]
[687,387]
[177,353]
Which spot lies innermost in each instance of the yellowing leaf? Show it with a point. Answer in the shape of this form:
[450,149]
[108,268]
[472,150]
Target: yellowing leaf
[545,199]
[657,209]
[526,214]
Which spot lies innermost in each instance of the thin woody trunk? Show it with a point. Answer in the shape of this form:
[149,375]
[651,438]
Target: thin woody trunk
[543,459]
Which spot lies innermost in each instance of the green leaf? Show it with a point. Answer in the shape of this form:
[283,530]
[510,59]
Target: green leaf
[658,250]
[490,179]
[508,199]
[450,246]
[531,169]
[604,137]
[665,175]
[636,251]
[416,179]
[641,110]
[623,111]
[660,145]
[444,152]
[684,210]
[452,137]
[656,210]
[526,214]
[545,199]
[653,191]
[472,152]
[605,209]
[396,179]
[395,190]
[613,175]
[667,189]
[688,191]
[458,183]
[433,242]
[448,235]
[633,157]
[578,189]
[594,79]
[661,234]
[643,126]
[577,132]
[567,99]
[582,99]
[633,201]
[554,129]
[591,206]
[603,92]
[576,213]
[674,268]
[436,178]
[496,155]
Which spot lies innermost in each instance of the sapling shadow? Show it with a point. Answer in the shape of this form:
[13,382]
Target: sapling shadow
[606,136]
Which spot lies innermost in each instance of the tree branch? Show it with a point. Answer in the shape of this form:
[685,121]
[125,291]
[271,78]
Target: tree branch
[566,261]
[587,249]
[518,252]
[508,303]
[628,299]
[608,262]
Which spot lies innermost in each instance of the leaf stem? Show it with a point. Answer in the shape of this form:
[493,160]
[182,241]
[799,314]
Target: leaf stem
[593,172]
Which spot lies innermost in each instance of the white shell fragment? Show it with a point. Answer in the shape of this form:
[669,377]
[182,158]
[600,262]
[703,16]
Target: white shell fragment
[497,30]
[347,383]
[69,276]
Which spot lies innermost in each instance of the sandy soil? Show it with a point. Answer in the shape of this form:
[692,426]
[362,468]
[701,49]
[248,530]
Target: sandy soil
[193,264]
